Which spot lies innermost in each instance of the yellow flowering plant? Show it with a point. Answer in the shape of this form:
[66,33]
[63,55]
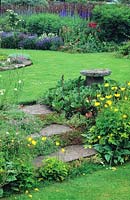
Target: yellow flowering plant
[110,135]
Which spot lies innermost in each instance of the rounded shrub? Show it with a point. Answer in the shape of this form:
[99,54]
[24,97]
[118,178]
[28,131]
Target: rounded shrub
[114,22]
[53,169]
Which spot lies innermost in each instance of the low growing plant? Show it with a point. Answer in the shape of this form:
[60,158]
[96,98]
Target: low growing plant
[124,51]
[70,97]
[53,170]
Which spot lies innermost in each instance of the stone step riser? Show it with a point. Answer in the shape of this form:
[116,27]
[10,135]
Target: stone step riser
[71,153]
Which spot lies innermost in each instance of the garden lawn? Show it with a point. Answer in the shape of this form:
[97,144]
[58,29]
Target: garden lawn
[101,185]
[49,66]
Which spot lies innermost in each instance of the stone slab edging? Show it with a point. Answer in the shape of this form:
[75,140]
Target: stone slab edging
[71,153]
[17,66]
[36,109]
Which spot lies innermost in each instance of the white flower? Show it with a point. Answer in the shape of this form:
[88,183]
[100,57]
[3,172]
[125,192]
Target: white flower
[15,89]
[8,60]
[19,81]
[2,91]
[7,133]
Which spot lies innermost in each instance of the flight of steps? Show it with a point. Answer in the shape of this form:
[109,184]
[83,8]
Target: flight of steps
[71,152]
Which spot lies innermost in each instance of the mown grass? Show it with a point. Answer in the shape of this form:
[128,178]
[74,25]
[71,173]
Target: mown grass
[49,66]
[101,185]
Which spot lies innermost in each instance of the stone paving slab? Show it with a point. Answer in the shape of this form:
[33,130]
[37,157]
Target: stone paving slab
[71,153]
[55,129]
[36,109]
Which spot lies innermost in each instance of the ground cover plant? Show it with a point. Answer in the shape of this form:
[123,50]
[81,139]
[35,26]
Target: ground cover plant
[124,51]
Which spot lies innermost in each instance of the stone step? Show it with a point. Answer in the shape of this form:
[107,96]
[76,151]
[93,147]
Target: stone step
[36,109]
[73,152]
[53,129]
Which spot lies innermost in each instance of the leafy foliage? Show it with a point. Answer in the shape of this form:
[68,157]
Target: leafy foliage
[113,21]
[124,51]
[70,97]
[24,2]
[110,135]
[53,169]
[49,23]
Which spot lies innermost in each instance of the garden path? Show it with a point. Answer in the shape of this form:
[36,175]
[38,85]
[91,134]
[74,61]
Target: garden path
[70,153]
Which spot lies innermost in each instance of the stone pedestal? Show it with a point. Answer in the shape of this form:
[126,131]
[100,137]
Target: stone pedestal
[95,75]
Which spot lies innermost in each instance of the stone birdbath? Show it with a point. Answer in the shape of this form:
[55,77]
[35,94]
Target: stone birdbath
[95,75]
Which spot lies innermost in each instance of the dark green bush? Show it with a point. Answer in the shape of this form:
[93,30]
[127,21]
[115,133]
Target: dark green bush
[114,22]
[9,40]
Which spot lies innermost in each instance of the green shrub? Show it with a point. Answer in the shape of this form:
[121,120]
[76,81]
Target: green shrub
[45,146]
[113,21]
[25,2]
[83,167]
[49,23]
[53,169]
[15,175]
[16,168]
[124,51]
[9,40]
[70,97]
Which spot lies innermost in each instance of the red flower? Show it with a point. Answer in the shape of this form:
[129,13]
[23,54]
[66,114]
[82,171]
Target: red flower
[92,24]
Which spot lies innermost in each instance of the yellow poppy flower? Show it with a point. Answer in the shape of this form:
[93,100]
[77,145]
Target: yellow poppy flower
[29,139]
[34,142]
[62,150]
[102,98]
[124,116]
[97,103]
[109,102]
[98,95]
[106,85]
[115,110]
[44,138]
[106,106]
[117,95]
[108,96]
[57,143]
[122,88]
[36,189]
[30,195]
[114,88]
